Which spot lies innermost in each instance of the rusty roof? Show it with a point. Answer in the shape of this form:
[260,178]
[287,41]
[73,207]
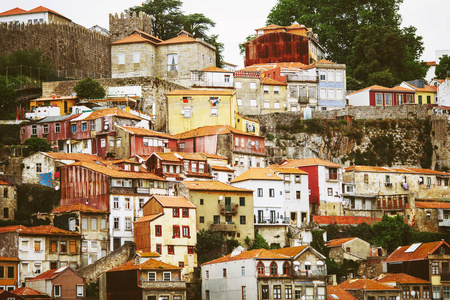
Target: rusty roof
[313,161]
[257,174]
[2,258]
[432,204]
[250,254]
[201,92]
[270,81]
[210,130]
[146,132]
[50,274]
[213,156]
[150,264]
[271,26]
[421,253]
[77,207]
[113,111]
[37,230]
[148,218]
[215,69]
[394,170]
[174,201]
[286,170]
[345,220]
[213,186]
[72,156]
[339,293]
[339,242]
[26,291]
[365,284]
[401,278]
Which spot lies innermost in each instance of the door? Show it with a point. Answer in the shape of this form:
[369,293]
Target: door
[227,203]
[116,243]
[260,216]
[272,216]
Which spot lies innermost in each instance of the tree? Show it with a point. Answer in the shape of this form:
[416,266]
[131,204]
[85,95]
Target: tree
[391,232]
[318,243]
[443,68]
[209,245]
[89,88]
[212,40]
[37,144]
[259,242]
[247,39]
[197,24]
[8,101]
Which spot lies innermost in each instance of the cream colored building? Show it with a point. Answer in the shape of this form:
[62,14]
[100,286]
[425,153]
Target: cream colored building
[349,248]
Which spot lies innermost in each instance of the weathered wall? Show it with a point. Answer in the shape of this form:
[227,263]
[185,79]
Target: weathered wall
[75,51]
[273,234]
[121,26]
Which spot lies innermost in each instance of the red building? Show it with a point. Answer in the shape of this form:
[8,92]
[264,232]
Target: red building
[53,129]
[377,95]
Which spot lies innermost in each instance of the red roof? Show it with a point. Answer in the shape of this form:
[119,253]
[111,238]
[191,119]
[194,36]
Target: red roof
[429,204]
[50,274]
[345,220]
[339,242]
[19,11]
[421,253]
[37,230]
[26,291]
[77,207]
[338,292]
[250,254]
[400,278]
[9,258]
[312,161]
[150,264]
[365,284]
[14,11]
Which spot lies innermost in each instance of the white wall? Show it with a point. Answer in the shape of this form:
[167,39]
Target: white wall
[359,99]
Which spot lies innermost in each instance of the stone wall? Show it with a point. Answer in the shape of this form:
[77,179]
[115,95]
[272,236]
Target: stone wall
[153,93]
[75,50]
[121,26]
[108,262]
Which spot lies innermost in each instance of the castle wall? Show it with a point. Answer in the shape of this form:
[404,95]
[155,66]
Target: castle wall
[121,26]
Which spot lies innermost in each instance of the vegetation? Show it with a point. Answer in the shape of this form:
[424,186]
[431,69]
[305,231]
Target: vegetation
[391,232]
[89,88]
[8,101]
[443,68]
[212,245]
[33,198]
[36,144]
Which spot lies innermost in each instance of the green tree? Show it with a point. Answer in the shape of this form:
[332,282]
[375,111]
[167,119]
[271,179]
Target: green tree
[8,101]
[89,88]
[391,232]
[443,68]
[197,24]
[242,45]
[259,242]
[209,245]
[37,144]
[318,243]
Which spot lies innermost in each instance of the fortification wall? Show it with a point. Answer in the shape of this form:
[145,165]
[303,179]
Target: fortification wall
[121,26]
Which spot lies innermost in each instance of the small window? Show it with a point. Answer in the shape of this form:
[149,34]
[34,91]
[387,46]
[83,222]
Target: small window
[260,192]
[158,230]
[241,201]
[121,58]
[171,249]
[330,191]
[80,290]
[57,291]
[271,192]
[224,273]
[167,275]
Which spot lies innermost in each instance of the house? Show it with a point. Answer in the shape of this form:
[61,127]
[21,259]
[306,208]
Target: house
[40,248]
[221,207]
[335,292]
[349,248]
[324,182]
[62,283]
[90,223]
[7,295]
[29,293]
[168,227]
[411,287]
[9,273]
[427,261]
[367,289]
[377,95]
[141,54]
[8,200]
[64,103]
[36,15]
[220,169]
[443,93]
[212,77]
[344,220]
[424,94]
[273,96]
[287,273]
[108,188]
[190,109]
[247,125]
[243,150]
[430,215]
[148,279]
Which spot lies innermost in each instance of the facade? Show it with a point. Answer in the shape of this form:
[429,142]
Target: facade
[431,216]
[424,94]
[8,200]
[6,295]
[287,273]
[168,227]
[411,287]
[64,103]
[443,93]
[248,91]
[9,273]
[36,15]
[40,248]
[144,279]
[63,283]
[247,125]
[349,248]
[376,95]
[273,96]
[427,261]
[220,169]
[332,84]
[189,109]
[366,289]
[221,208]
[212,77]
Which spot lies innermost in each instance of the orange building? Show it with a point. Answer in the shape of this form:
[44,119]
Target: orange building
[64,103]
[8,273]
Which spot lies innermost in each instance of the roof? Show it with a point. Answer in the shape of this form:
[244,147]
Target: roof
[50,274]
[271,26]
[383,89]
[209,130]
[432,204]
[425,89]
[401,278]
[134,38]
[201,92]
[365,284]
[339,242]
[150,264]
[178,40]
[19,11]
[308,162]
[283,170]
[14,11]
[4,182]
[270,81]
[251,254]
[169,156]
[420,253]
[215,69]
[291,251]
[147,254]
[77,207]
[174,201]
[190,156]
[257,174]
[72,156]
[213,156]
[394,170]
[9,258]
[26,291]
[335,292]
[50,119]
[148,218]
[37,230]
[113,111]
[213,186]
[345,220]
[222,168]
[146,132]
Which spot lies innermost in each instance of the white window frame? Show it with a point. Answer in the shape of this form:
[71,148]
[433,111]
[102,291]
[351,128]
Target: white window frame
[253,85]
[276,89]
[253,102]
[57,291]
[136,57]
[381,99]
[80,290]
[151,276]
[121,58]
[172,62]
[167,275]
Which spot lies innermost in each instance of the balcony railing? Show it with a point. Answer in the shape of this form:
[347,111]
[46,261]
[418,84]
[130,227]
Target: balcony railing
[142,190]
[163,284]
[333,176]
[228,209]
[303,78]
[310,273]
[223,227]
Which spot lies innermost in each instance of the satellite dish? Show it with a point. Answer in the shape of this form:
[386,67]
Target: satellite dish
[106,127]
[253,143]
[182,112]
[220,197]
[56,188]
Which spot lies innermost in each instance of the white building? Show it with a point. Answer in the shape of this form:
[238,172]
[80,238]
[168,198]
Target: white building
[212,77]
[443,93]
[36,15]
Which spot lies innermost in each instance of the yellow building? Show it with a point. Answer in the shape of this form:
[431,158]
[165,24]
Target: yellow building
[423,95]
[273,95]
[247,125]
[64,103]
[222,208]
[189,109]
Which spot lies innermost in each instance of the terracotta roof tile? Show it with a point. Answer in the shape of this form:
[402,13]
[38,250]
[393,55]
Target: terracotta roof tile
[215,69]
[72,156]
[250,254]
[44,9]
[286,170]
[174,201]
[401,278]
[290,251]
[146,132]
[213,186]
[210,130]
[345,220]
[257,174]
[150,264]
[19,11]
[148,218]
[114,111]
[270,81]
[169,156]
[147,254]
[77,207]
[46,275]
[26,291]
[420,253]
[134,38]
[365,284]
[37,230]
[271,26]
[14,11]
[222,168]
[213,156]
[190,156]
[339,242]
[394,170]
[432,204]
[178,40]
[338,292]
[294,163]
[201,92]
[9,258]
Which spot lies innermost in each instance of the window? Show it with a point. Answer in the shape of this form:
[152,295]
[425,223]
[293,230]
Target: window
[128,223]
[409,98]
[119,144]
[167,275]
[37,246]
[92,125]
[378,99]
[34,130]
[116,223]
[330,191]
[80,290]
[338,76]
[172,62]
[116,202]
[24,245]
[435,268]
[216,219]
[63,245]
[266,89]
[436,292]
[260,268]
[330,75]
[273,268]
[298,292]
[53,246]
[323,93]
[406,292]
[271,192]
[201,219]
[277,292]
[420,99]
[103,143]
[57,291]
[127,203]
[151,276]
[121,58]
[339,94]
[38,168]
[243,271]
[260,192]
[159,248]
[186,232]
[136,57]
[286,268]
[190,249]
[445,291]
[322,75]
[399,99]
[366,178]
[253,102]
[185,212]
[331,94]
[10,272]
[214,111]
[226,78]
[158,230]
[242,220]
[239,102]
[181,264]
[37,268]
[244,293]
[265,291]
[426,292]
[276,89]
[171,249]
[238,84]
[224,273]
[321,293]
[253,85]
[309,291]
[176,213]
[388,99]
[241,201]
[74,127]
[45,128]
[288,291]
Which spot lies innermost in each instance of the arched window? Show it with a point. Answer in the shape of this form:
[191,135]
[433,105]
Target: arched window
[286,268]
[260,268]
[273,268]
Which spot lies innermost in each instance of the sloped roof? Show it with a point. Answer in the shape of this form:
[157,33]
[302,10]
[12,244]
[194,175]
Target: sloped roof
[215,69]
[420,253]
[44,9]
[365,284]
[178,40]
[169,156]
[147,254]
[380,89]
[14,11]
[394,170]
[132,39]
[37,230]
[150,264]
[72,156]
[191,156]
[148,218]
[345,220]
[222,168]
[270,81]
[251,254]
[286,170]
[113,111]
[425,89]
[174,201]
[77,207]
[209,130]
[213,186]
[4,182]
[432,204]
[271,26]
[201,92]
[339,293]
[50,274]
[291,251]
[50,119]
[313,161]
[146,132]
[213,156]
[2,258]
[339,242]
[26,291]
[19,11]
[257,174]
[401,278]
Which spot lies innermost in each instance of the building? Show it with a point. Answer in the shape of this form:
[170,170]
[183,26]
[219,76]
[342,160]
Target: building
[324,182]
[430,215]
[9,273]
[38,14]
[344,220]
[287,273]
[247,125]
[427,261]
[144,279]
[40,248]
[28,293]
[212,77]
[366,289]
[190,109]
[141,54]
[243,150]
[349,248]
[411,287]
[443,93]
[8,200]
[6,295]
[64,103]
[424,94]
[168,227]
[62,283]
[221,207]
[331,86]
[220,169]
[377,95]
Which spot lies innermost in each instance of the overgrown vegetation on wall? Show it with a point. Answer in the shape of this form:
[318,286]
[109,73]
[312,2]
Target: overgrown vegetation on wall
[33,198]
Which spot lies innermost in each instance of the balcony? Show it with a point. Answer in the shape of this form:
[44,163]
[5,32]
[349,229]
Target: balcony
[445,223]
[310,273]
[333,177]
[223,227]
[228,209]
[142,190]
[163,284]
[303,78]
